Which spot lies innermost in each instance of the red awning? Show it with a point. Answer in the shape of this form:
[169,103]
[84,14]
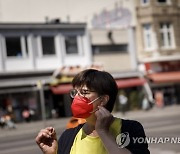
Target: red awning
[61,89]
[133,82]
[121,83]
[164,77]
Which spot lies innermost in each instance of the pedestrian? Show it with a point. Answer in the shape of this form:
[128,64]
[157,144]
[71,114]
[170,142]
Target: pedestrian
[123,102]
[26,114]
[9,122]
[145,103]
[2,122]
[94,95]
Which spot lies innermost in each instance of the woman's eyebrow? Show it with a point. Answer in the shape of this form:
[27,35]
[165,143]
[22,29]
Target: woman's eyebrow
[85,89]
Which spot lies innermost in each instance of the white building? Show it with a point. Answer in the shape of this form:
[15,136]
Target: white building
[29,54]
[158,47]
[43,47]
[111,26]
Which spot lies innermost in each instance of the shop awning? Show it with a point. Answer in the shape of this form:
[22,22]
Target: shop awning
[61,89]
[121,83]
[127,83]
[164,77]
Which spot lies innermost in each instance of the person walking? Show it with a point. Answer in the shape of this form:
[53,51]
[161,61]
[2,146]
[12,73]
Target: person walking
[26,114]
[123,102]
[94,95]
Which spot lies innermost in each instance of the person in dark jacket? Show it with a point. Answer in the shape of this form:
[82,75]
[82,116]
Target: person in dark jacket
[94,95]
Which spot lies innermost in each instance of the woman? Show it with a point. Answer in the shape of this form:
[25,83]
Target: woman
[94,95]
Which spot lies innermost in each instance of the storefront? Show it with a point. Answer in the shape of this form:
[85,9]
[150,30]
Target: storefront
[164,78]
[132,84]
[17,95]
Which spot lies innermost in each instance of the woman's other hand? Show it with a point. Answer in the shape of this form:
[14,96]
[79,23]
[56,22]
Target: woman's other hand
[104,119]
[47,140]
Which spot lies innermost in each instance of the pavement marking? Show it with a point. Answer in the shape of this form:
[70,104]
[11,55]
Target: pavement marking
[18,149]
[160,151]
[163,128]
[16,143]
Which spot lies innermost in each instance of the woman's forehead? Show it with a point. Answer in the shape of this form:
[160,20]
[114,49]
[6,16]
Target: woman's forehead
[82,87]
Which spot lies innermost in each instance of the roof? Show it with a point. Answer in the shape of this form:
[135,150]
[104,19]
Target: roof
[127,74]
[121,83]
[23,81]
[160,58]
[165,77]
[41,25]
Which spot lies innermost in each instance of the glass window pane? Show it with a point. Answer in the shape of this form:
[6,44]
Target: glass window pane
[48,47]
[148,38]
[108,49]
[161,26]
[71,44]
[148,41]
[26,45]
[162,1]
[169,39]
[147,26]
[145,1]
[162,40]
[166,35]
[13,46]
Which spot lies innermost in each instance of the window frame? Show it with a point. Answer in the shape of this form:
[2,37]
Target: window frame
[146,33]
[145,3]
[39,45]
[109,49]
[168,2]
[23,44]
[78,38]
[165,31]
[54,48]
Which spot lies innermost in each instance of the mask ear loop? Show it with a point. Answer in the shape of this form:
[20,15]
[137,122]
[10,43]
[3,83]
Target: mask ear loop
[93,102]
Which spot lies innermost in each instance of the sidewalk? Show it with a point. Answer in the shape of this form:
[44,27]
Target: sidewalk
[152,113]
[35,127]
[158,151]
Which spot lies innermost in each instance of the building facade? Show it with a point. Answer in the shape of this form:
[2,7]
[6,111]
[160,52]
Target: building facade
[110,24]
[42,48]
[158,47]
[29,54]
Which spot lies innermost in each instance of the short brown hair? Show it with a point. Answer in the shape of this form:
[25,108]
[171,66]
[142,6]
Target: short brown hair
[100,81]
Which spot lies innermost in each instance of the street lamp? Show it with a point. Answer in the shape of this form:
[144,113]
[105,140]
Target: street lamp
[41,93]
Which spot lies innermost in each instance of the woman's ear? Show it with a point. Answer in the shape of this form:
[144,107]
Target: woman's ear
[104,100]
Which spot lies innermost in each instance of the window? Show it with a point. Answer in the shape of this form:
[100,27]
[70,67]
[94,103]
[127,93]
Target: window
[144,2]
[164,1]
[48,46]
[167,35]
[147,31]
[100,49]
[26,44]
[71,44]
[16,46]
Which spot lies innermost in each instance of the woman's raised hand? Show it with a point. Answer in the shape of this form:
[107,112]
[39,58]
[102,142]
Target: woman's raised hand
[47,140]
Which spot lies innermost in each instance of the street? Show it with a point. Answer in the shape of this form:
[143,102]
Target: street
[157,123]
[19,144]
[22,139]
[163,127]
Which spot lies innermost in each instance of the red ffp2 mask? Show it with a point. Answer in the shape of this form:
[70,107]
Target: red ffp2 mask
[82,107]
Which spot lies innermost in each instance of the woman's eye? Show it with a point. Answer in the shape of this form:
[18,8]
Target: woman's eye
[85,92]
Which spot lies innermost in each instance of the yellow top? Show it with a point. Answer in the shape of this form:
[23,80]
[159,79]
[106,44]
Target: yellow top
[85,144]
